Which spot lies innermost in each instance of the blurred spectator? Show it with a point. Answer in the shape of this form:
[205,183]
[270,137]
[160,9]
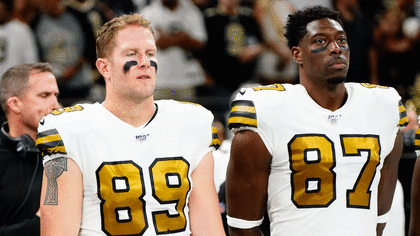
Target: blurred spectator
[140,4]
[359,30]
[204,4]
[95,13]
[233,47]
[396,38]
[17,40]
[25,10]
[275,64]
[121,7]
[372,8]
[180,31]
[300,4]
[64,42]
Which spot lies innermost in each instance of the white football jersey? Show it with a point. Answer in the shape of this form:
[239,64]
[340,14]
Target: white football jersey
[325,167]
[136,181]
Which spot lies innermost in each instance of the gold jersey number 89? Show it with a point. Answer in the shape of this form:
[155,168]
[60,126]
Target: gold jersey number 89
[121,189]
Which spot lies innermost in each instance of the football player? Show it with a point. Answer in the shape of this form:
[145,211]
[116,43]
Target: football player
[320,156]
[131,165]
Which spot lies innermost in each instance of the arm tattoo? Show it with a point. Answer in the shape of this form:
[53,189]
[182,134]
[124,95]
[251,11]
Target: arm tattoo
[53,170]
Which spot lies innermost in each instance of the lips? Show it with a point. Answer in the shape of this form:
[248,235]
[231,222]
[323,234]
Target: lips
[143,77]
[338,63]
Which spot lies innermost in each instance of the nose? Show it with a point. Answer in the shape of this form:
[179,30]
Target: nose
[54,103]
[336,49]
[143,61]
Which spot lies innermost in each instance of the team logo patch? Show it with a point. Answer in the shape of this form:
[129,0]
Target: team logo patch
[333,119]
[142,137]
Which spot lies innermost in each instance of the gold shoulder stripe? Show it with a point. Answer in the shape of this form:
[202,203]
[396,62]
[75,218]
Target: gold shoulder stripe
[417,140]
[215,142]
[277,87]
[243,113]
[67,109]
[403,115]
[50,142]
[367,85]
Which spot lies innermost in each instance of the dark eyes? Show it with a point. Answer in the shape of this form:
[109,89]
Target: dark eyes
[323,41]
[343,40]
[131,54]
[320,41]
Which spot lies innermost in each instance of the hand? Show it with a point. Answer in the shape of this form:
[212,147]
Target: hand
[249,53]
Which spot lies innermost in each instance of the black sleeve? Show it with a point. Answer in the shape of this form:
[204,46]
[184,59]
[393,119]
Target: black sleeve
[26,227]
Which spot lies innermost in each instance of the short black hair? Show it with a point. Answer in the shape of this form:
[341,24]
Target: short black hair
[297,22]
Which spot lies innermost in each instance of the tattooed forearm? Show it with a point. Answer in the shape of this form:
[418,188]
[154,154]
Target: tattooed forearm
[53,169]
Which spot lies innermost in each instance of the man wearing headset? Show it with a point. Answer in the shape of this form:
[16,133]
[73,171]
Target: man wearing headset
[28,92]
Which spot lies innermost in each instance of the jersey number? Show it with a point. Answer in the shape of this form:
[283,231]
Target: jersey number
[121,189]
[312,161]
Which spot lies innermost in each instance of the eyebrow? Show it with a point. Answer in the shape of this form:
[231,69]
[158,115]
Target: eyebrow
[339,32]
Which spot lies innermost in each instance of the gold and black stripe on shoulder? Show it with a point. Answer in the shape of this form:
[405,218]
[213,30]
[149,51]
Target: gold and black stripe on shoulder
[50,142]
[215,142]
[403,115]
[243,114]
[417,140]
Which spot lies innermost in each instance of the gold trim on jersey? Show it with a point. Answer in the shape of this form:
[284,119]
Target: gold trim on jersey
[403,115]
[215,142]
[50,142]
[367,85]
[277,87]
[417,140]
[67,109]
[243,113]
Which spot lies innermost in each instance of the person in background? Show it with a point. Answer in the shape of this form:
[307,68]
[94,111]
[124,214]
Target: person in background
[302,4]
[275,65]
[28,92]
[233,47]
[359,30]
[17,40]
[320,157]
[397,46]
[131,165]
[179,35]
[65,44]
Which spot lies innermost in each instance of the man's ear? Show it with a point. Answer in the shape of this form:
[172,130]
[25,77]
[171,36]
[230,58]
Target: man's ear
[15,104]
[103,67]
[297,55]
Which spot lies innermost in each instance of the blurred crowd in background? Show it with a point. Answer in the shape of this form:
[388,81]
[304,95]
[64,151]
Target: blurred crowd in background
[208,49]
